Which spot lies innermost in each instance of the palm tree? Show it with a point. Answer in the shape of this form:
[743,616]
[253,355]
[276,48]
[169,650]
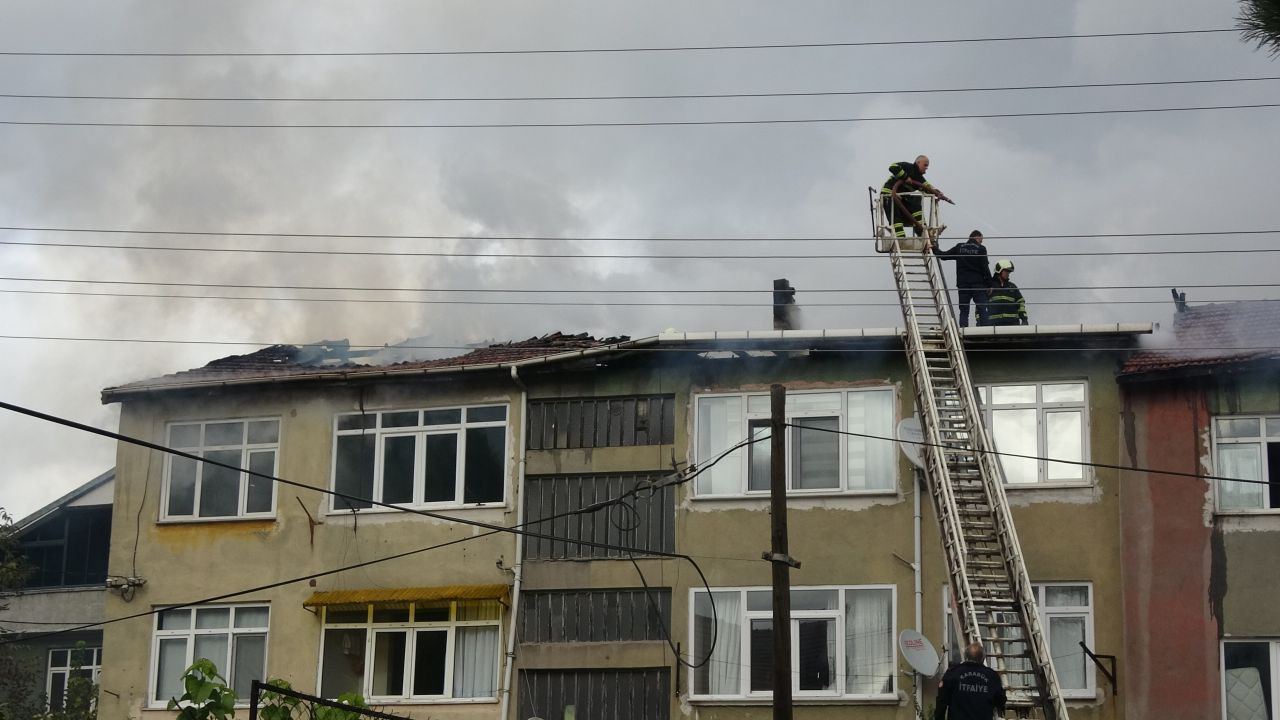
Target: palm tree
[1259,21]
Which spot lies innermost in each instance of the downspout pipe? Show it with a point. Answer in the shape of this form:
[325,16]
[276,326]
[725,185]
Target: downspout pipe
[518,567]
[916,567]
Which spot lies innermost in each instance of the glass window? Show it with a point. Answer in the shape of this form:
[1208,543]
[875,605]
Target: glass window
[841,642]
[238,648]
[828,448]
[68,665]
[422,457]
[447,650]
[1251,460]
[197,490]
[1046,423]
[1248,681]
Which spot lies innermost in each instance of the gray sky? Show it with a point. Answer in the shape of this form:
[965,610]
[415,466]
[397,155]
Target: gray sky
[1011,176]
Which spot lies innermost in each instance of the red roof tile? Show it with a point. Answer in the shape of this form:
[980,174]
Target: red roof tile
[1213,335]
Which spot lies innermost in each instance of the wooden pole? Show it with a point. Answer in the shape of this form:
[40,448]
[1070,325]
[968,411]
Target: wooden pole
[780,560]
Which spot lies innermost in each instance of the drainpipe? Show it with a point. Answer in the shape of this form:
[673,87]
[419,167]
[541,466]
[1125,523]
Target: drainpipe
[915,566]
[518,567]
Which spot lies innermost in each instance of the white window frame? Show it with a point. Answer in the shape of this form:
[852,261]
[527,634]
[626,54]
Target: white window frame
[1262,440]
[952,631]
[94,668]
[411,629]
[1042,444]
[245,449]
[226,669]
[744,621]
[420,432]
[1273,645]
[742,456]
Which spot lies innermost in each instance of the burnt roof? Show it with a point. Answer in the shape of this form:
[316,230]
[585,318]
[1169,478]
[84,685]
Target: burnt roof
[1214,335]
[334,358]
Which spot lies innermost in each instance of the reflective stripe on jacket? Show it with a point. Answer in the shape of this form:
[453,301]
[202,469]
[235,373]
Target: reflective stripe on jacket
[904,171]
[1005,301]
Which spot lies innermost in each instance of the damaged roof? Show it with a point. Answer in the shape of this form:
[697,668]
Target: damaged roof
[1214,335]
[332,359]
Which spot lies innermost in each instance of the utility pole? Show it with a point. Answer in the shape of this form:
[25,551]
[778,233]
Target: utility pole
[778,557]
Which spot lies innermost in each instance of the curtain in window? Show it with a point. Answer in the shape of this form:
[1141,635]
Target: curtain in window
[720,428]
[872,463]
[868,642]
[1065,635]
[721,675]
[475,662]
[1243,461]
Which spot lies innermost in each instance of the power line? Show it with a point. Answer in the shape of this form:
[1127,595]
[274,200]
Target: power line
[591,238]
[586,256]
[535,303]
[654,48]
[622,123]
[667,96]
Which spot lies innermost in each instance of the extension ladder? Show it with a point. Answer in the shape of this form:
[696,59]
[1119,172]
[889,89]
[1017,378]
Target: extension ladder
[991,591]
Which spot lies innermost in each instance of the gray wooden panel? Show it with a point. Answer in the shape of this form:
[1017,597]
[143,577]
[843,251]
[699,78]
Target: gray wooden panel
[643,521]
[630,694]
[562,423]
[598,615]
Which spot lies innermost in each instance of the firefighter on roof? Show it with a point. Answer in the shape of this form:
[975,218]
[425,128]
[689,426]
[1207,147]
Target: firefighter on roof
[1005,304]
[905,177]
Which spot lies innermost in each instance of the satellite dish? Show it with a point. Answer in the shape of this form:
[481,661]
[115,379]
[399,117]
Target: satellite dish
[909,436]
[918,652]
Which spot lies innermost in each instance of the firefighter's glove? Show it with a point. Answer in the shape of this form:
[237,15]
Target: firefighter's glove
[1025,321]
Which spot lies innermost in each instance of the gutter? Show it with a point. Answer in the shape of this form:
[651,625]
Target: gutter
[518,567]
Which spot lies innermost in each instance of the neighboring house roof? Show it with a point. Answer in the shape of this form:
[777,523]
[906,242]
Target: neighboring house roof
[68,499]
[1212,336]
[333,360]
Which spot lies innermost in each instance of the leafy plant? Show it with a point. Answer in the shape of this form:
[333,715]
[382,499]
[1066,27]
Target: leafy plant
[80,698]
[1259,22]
[277,706]
[323,712]
[207,696]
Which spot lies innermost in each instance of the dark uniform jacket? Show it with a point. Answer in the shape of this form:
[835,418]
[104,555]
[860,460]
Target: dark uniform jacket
[1005,303]
[972,268]
[903,171]
[969,691]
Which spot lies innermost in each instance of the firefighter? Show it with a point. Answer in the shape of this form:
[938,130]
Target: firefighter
[1005,304]
[907,177]
[970,690]
[973,275]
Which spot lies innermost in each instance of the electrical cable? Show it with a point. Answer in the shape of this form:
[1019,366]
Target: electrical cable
[621,123]
[670,96]
[670,48]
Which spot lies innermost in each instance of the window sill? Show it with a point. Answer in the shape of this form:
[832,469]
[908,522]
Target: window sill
[798,700]
[374,700]
[1048,486]
[1264,512]
[800,495]
[202,520]
[414,508]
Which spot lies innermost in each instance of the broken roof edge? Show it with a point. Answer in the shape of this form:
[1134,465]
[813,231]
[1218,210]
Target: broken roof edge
[119,393]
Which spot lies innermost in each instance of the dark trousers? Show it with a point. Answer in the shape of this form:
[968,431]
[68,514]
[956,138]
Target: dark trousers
[897,218]
[979,297]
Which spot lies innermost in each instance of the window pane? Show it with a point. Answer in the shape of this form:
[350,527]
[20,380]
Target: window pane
[388,663]
[868,642]
[1063,393]
[171,661]
[872,463]
[815,453]
[720,427]
[1066,596]
[442,417]
[400,419]
[1065,635]
[397,468]
[496,413]
[252,617]
[1239,427]
[1064,432]
[809,402]
[212,647]
[759,455]
[184,436]
[391,615]
[343,662]
[58,658]
[175,619]
[264,432]
[182,486]
[431,613]
[442,468]
[758,404]
[817,654]
[479,610]
[1011,394]
[249,663]
[231,433]
[475,662]
[814,599]
[1273,427]
[57,690]
[1243,461]
[1247,680]
[357,422]
[332,616]
[353,472]
[212,618]
[761,655]
[1014,431]
[486,453]
[261,490]
[721,675]
[759,601]
[429,662]
[219,486]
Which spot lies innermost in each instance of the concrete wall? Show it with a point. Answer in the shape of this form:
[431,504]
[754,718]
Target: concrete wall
[186,561]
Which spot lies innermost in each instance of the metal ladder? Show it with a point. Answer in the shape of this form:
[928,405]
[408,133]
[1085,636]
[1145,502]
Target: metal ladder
[991,590]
